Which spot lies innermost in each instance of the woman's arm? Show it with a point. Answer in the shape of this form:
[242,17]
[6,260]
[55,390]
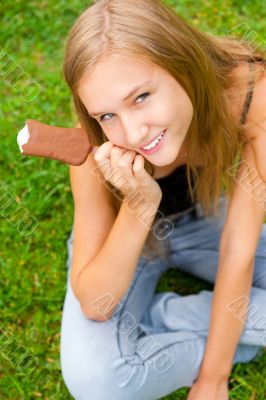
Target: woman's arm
[107,247]
[238,245]
[105,280]
[234,280]
[242,229]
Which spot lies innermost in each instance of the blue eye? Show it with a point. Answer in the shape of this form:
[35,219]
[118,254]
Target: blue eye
[144,94]
[102,116]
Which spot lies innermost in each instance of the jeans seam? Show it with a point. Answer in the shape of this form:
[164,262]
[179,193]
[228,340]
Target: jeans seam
[123,308]
[173,344]
[163,348]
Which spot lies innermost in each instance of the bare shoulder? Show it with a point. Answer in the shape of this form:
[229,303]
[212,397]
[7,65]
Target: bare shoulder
[255,126]
[237,92]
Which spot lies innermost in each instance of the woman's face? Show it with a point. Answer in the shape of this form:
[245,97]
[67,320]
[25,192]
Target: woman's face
[158,103]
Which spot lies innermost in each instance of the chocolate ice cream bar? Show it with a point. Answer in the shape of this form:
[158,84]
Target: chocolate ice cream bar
[69,145]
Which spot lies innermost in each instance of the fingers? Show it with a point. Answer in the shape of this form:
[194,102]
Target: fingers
[103,152]
[115,155]
[138,166]
[102,158]
[94,149]
[127,159]
[139,170]
[121,164]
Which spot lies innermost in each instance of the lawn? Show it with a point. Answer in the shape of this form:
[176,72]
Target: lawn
[33,271]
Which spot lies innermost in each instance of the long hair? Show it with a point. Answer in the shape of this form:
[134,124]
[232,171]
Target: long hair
[202,63]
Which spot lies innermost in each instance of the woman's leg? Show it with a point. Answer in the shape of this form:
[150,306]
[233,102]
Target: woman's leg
[99,360]
[195,249]
[120,358]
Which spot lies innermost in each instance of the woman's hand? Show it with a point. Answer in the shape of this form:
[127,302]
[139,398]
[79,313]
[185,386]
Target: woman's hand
[125,170]
[206,390]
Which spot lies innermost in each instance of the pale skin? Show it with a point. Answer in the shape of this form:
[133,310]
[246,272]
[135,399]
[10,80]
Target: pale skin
[131,124]
[138,120]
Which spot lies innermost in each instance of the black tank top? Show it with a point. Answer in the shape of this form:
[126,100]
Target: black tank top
[176,197]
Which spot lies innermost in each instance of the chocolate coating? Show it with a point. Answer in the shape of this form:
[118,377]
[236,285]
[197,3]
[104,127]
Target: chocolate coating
[69,145]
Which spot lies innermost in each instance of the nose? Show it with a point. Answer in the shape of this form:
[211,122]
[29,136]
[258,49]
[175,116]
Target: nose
[135,133]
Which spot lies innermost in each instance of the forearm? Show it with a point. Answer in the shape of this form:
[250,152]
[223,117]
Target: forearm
[234,280]
[110,273]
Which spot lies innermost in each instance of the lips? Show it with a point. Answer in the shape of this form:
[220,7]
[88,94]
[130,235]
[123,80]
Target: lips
[155,137]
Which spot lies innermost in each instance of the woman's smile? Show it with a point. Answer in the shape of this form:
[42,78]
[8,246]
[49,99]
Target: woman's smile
[155,145]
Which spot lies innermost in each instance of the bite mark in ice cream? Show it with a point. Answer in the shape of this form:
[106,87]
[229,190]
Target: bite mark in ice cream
[23,137]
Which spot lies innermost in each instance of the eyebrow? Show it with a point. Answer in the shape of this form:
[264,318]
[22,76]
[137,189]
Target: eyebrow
[133,91]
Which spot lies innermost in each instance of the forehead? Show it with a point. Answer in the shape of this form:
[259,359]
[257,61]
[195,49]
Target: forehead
[115,76]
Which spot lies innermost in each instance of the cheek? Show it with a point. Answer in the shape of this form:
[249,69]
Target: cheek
[159,113]
[108,133]
[168,108]
[114,136]
[183,109]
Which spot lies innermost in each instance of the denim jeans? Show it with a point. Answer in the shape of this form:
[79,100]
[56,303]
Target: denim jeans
[154,342]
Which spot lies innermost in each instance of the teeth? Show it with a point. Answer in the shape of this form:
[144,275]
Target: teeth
[154,143]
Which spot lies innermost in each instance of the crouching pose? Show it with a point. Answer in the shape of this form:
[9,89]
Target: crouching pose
[177,180]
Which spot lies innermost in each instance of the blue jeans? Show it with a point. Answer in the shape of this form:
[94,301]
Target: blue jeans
[154,342]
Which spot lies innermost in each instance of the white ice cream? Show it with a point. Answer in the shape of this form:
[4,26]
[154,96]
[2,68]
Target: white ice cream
[23,137]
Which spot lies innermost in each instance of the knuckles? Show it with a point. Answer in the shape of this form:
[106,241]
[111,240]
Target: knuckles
[122,164]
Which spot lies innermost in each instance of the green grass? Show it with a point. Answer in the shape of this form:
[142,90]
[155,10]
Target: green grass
[32,268]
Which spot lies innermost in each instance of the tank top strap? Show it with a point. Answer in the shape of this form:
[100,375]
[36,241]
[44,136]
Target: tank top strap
[249,95]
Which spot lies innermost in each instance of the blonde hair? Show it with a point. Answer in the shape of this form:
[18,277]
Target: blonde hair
[202,63]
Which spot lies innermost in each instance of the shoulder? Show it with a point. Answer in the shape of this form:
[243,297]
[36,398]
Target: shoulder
[255,125]
[237,92]
[248,196]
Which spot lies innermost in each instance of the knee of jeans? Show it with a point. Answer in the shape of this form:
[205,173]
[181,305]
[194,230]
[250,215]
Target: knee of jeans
[94,378]
[90,361]
[86,374]
[85,383]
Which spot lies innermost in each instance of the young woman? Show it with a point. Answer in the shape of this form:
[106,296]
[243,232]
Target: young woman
[179,119]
